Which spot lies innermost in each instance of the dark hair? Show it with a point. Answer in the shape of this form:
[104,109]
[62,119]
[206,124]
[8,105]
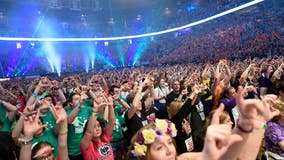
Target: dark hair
[182,84]
[280,87]
[130,98]
[52,98]
[70,97]
[102,125]
[189,88]
[123,82]
[145,96]
[40,145]
[226,92]
[112,87]
[157,81]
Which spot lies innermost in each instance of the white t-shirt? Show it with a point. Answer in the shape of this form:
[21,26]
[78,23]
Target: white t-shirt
[159,91]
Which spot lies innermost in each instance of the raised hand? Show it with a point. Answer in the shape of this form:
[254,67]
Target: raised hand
[43,83]
[256,111]
[109,101]
[218,137]
[217,74]
[54,83]
[32,124]
[84,88]
[58,113]
[149,80]
[99,102]
[78,90]
[29,109]
[83,98]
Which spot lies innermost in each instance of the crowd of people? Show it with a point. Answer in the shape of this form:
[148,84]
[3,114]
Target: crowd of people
[83,21]
[223,110]
[257,33]
[254,32]
[211,95]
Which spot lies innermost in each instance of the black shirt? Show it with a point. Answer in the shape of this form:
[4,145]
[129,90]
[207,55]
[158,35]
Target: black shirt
[177,120]
[135,123]
[196,124]
[172,96]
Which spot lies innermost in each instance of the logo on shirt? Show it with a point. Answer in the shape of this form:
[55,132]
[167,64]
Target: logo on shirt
[79,123]
[104,149]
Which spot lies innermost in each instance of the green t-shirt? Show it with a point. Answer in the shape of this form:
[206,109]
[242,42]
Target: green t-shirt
[117,132]
[49,135]
[75,130]
[4,121]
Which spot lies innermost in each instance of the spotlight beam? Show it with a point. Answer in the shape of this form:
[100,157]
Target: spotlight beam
[254,2]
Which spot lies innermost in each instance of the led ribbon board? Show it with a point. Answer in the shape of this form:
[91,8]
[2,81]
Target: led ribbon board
[134,36]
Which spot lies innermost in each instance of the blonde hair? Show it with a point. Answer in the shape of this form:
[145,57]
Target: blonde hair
[174,108]
[280,107]
[222,117]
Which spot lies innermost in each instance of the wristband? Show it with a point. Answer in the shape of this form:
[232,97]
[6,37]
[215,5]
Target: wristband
[94,114]
[63,132]
[25,140]
[34,94]
[243,130]
[264,126]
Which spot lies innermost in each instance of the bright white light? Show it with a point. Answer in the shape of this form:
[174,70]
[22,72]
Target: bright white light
[106,43]
[19,45]
[135,36]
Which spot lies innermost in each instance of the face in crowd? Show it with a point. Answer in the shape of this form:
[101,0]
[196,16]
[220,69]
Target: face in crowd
[163,149]
[43,151]
[162,83]
[176,86]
